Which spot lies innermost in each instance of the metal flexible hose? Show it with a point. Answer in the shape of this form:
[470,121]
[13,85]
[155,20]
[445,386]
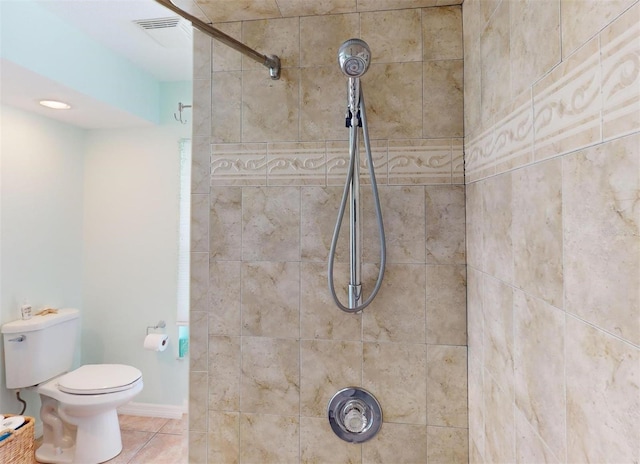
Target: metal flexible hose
[343,204]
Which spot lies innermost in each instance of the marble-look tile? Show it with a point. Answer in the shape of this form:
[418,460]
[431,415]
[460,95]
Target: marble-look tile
[223,57]
[475,373]
[224,288]
[198,335]
[514,134]
[474,224]
[239,164]
[224,373]
[475,311]
[323,93]
[443,105]
[197,448]
[220,11]
[319,211]
[499,425]
[226,112]
[475,456]
[397,313]
[141,423]
[270,107]
[198,392]
[270,381]
[200,165]
[226,223]
[224,437]
[320,318]
[338,162]
[603,396]
[473,26]
[495,59]
[176,426]
[271,224]
[447,386]
[398,444]
[373,5]
[498,332]
[620,52]
[403,214]
[457,160]
[315,7]
[480,155]
[396,374]
[321,376]
[446,305]
[269,439]
[296,163]
[445,224]
[487,8]
[199,222]
[567,105]
[601,228]
[319,445]
[393,94]
[535,26]
[442,33]
[497,227]
[426,161]
[539,368]
[529,447]
[270,299]
[201,108]
[162,449]
[582,20]
[280,37]
[402,25]
[199,282]
[201,55]
[537,230]
[321,37]
[447,445]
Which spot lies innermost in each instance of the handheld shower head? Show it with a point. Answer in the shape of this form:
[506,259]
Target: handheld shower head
[354,57]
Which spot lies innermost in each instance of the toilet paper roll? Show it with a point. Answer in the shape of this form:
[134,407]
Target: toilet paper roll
[156,342]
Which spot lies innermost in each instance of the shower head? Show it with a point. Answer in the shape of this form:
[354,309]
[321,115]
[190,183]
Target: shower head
[354,57]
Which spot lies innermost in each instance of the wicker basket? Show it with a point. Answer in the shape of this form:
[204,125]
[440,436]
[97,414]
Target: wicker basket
[19,447]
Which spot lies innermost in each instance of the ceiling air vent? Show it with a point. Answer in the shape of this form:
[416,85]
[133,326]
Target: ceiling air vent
[171,32]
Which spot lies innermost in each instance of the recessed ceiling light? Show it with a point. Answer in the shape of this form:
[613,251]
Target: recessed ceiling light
[56,105]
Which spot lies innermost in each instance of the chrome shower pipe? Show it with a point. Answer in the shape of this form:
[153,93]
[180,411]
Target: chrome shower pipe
[355,240]
[271,61]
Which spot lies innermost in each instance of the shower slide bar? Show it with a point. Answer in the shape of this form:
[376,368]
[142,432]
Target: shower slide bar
[271,61]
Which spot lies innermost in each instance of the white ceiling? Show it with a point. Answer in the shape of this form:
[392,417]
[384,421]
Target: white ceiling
[108,22]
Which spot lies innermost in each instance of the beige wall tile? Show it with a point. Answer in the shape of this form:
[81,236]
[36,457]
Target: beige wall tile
[397,313]
[319,445]
[321,376]
[271,224]
[539,368]
[238,10]
[319,211]
[497,227]
[198,334]
[270,380]
[395,373]
[499,423]
[535,42]
[224,373]
[480,156]
[226,223]
[226,117]
[495,56]
[582,20]
[198,391]
[270,107]
[200,222]
[200,165]
[315,7]
[447,386]
[321,37]
[323,90]
[602,223]
[269,439]
[280,37]
[397,443]
[447,445]
[443,105]
[620,51]
[296,163]
[475,378]
[529,446]
[402,25]
[199,282]
[602,395]
[201,55]
[239,164]
[320,318]
[270,299]
[475,312]
[197,448]
[373,5]
[473,26]
[474,224]
[488,8]
[445,225]
[224,437]
[224,288]
[446,305]
[442,33]
[201,106]
[420,161]
[224,58]
[537,231]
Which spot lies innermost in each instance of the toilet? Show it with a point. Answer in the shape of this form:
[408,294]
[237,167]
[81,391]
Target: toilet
[79,407]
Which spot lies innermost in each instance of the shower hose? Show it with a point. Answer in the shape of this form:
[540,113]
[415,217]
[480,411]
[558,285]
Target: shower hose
[353,158]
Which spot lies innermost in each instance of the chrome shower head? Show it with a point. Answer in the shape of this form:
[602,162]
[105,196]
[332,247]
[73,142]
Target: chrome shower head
[354,57]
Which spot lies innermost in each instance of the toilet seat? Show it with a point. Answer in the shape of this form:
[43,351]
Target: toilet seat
[95,379]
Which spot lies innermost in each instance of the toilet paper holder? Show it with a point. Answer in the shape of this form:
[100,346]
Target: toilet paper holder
[159,325]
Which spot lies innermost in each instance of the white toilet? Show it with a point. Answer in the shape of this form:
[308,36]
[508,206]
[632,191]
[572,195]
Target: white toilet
[78,407]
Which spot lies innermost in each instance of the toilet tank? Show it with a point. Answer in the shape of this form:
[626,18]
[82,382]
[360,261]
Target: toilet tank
[39,348]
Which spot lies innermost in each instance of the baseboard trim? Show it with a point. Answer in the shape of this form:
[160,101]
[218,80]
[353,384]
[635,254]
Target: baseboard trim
[166,411]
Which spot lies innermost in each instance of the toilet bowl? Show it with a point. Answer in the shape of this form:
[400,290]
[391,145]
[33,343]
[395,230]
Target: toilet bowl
[86,400]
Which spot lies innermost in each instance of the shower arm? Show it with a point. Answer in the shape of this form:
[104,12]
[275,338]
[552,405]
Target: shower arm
[272,61]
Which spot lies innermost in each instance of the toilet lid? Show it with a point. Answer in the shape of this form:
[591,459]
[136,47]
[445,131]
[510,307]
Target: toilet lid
[92,379]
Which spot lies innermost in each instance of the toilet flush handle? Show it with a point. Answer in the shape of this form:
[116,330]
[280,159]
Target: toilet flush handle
[21,338]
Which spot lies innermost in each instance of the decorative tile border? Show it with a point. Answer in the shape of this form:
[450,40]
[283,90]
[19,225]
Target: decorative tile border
[420,161]
[338,158]
[239,164]
[296,163]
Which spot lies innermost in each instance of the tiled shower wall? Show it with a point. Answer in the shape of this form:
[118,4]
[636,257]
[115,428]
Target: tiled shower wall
[268,346]
[552,122]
